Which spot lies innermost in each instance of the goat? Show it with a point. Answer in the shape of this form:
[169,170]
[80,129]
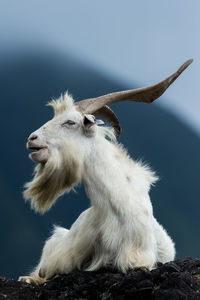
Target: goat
[118,230]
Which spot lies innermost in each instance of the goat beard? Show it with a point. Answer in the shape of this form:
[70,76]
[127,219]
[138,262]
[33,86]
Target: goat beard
[61,172]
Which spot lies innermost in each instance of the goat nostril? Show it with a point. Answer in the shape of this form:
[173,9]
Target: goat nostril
[32,137]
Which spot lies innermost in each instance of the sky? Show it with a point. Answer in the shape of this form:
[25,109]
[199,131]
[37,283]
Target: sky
[136,42]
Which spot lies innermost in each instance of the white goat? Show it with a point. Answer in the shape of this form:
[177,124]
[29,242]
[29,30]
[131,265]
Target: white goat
[119,229]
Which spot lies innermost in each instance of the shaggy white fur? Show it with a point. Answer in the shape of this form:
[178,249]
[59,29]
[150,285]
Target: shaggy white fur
[119,229]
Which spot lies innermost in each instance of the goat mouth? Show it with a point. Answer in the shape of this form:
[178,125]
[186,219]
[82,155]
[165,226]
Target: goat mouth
[37,149]
[39,154]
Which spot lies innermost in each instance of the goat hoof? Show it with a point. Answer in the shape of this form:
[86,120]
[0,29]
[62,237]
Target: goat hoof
[27,279]
[31,280]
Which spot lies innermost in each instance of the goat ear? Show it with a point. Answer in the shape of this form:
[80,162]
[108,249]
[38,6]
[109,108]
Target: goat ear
[89,121]
[99,122]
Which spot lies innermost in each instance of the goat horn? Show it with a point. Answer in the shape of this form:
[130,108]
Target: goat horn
[146,94]
[107,113]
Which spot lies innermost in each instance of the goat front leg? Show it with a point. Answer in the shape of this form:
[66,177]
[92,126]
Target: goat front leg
[38,276]
[63,251]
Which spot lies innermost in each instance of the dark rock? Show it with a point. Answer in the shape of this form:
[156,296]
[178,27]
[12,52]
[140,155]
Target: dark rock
[178,280]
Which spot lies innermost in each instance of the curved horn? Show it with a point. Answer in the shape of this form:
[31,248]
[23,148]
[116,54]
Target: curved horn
[146,94]
[107,113]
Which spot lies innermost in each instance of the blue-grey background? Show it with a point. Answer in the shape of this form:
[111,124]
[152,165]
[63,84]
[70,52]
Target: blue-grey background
[92,48]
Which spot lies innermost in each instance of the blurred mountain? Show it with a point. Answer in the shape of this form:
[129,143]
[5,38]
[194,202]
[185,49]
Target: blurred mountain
[28,81]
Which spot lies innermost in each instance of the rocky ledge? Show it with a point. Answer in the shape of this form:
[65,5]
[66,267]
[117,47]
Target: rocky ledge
[175,280]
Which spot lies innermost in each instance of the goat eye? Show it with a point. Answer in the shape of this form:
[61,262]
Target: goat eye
[69,122]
